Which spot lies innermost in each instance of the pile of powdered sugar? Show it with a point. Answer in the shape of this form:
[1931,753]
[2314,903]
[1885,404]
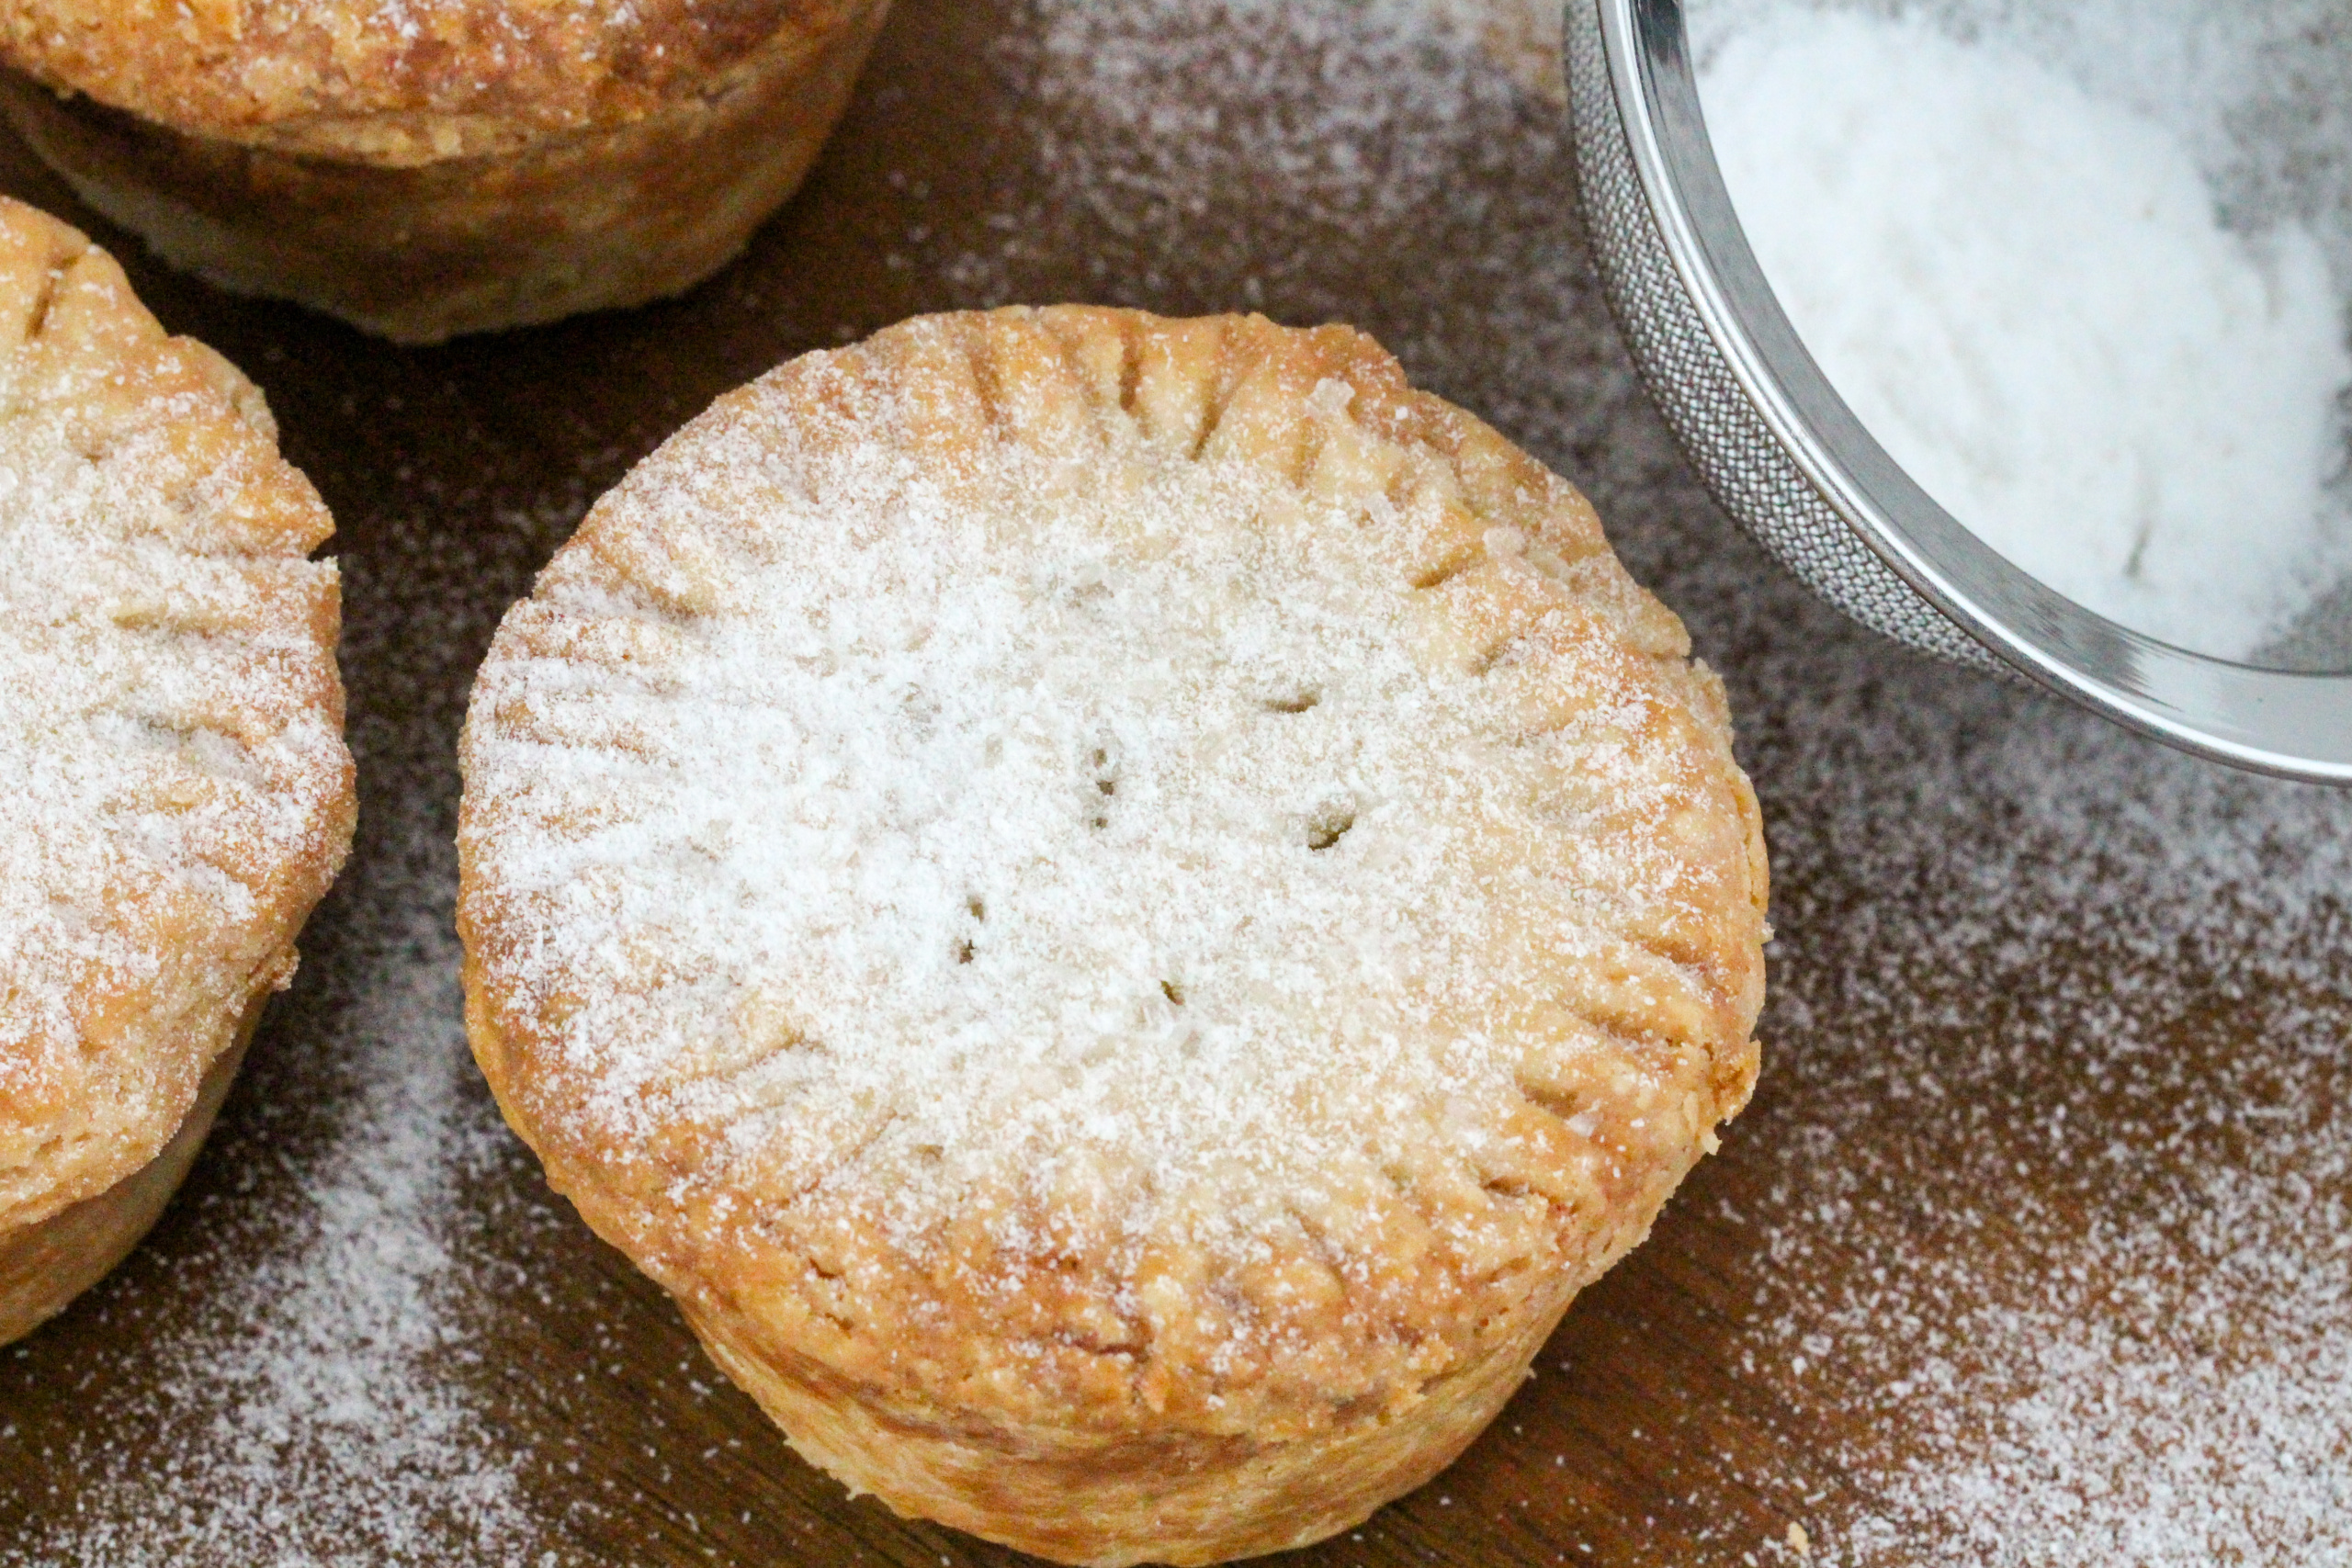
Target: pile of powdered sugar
[2038,300]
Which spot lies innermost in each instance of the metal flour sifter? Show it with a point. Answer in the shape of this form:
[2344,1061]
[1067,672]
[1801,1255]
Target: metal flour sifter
[1785,457]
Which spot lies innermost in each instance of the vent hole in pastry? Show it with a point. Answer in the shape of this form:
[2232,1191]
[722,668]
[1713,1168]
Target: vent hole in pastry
[1327,826]
[1105,770]
[963,951]
[1485,663]
[1297,702]
[1173,992]
[39,322]
[1445,570]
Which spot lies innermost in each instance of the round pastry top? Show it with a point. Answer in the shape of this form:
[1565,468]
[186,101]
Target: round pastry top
[402,81]
[177,796]
[1044,816]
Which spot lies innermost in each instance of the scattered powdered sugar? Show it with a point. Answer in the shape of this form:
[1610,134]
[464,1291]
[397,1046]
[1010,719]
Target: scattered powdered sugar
[2027,293]
[1133,154]
[1090,824]
[2055,1175]
[297,1382]
[318,1406]
[2031,1245]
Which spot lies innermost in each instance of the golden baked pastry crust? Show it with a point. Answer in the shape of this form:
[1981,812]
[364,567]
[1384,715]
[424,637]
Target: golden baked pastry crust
[398,81]
[1393,954]
[171,725]
[44,1265]
[434,167]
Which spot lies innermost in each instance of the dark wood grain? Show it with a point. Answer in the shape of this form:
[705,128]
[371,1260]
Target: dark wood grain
[1987,910]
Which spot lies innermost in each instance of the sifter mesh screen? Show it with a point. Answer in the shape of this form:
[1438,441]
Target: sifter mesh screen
[1735,454]
[2262,93]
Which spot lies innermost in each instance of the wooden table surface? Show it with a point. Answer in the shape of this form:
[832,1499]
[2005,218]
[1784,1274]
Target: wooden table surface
[2035,1246]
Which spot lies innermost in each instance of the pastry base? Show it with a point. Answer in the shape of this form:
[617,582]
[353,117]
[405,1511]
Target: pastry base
[1174,1497]
[1100,1499]
[46,1264]
[418,254]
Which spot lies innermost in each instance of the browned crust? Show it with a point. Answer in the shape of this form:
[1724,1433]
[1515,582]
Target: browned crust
[401,83]
[873,1403]
[1173,1496]
[45,1265]
[420,249]
[1040,1400]
[82,1113]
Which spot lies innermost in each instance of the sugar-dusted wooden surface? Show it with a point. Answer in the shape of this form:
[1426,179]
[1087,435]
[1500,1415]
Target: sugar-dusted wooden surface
[2032,1247]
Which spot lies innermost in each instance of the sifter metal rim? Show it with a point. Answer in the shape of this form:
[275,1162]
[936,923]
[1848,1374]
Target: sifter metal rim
[1642,139]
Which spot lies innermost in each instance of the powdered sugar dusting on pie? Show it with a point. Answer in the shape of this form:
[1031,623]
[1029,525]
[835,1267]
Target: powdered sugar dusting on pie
[176,785]
[1100,816]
